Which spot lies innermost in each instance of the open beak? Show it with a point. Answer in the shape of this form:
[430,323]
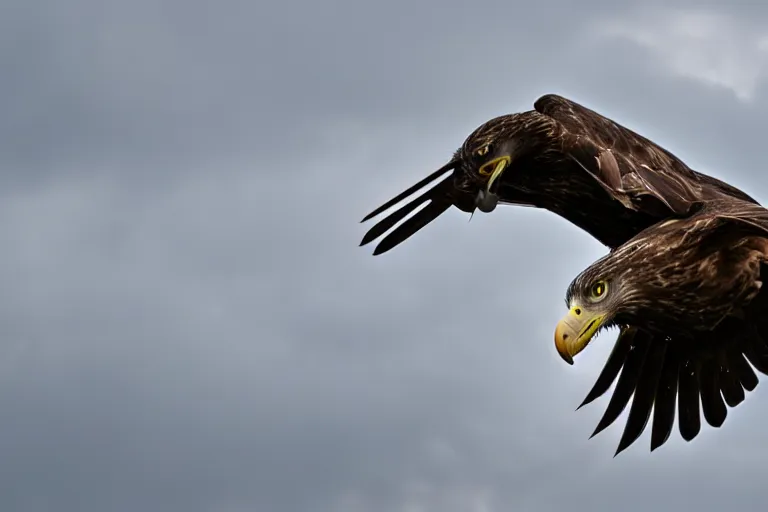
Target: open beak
[575,330]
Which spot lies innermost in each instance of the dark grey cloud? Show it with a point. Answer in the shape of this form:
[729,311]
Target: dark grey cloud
[188,324]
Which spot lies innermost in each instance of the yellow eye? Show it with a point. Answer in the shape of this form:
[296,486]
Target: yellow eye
[599,289]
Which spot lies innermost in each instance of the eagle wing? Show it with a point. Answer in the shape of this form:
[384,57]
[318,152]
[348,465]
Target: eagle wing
[632,170]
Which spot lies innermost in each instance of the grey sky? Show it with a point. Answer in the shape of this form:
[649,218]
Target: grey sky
[189,325]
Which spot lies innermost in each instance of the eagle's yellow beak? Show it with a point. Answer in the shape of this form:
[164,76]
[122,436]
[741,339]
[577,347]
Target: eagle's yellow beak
[495,168]
[575,330]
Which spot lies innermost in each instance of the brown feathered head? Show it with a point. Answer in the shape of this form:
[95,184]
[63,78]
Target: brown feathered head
[673,279]
[490,151]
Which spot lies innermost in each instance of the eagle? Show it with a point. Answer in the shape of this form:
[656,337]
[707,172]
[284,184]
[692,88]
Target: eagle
[610,182]
[688,299]
[563,157]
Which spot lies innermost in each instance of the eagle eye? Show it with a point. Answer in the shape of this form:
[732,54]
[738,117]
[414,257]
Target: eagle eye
[598,290]
[483,150]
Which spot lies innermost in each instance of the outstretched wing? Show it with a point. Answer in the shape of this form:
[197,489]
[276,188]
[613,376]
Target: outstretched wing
[705,376]
[642,156]
[633,169]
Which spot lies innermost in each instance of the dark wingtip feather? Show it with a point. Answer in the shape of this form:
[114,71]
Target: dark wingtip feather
[664,403]
[689,422]
[413,188]
[605,421]
[627,382]
[645,393]
[743,371]
[756,352]
[712,403]
[612,366]
[393,218]
[730,386]
[423,217]
[439,195]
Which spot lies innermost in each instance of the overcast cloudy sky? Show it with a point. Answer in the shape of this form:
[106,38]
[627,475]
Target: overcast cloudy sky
[187,323]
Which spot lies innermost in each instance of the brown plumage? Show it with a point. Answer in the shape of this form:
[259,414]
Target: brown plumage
[613,183]
[563,157]
[688,298]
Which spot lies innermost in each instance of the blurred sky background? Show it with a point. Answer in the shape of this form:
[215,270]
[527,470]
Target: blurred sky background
[187,323]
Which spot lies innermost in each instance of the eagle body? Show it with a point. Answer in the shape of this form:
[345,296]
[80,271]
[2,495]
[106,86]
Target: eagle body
[683,279]
[689,299]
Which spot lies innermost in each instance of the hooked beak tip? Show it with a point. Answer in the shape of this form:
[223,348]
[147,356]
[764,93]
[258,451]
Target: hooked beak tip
[575,331]
[561,342]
